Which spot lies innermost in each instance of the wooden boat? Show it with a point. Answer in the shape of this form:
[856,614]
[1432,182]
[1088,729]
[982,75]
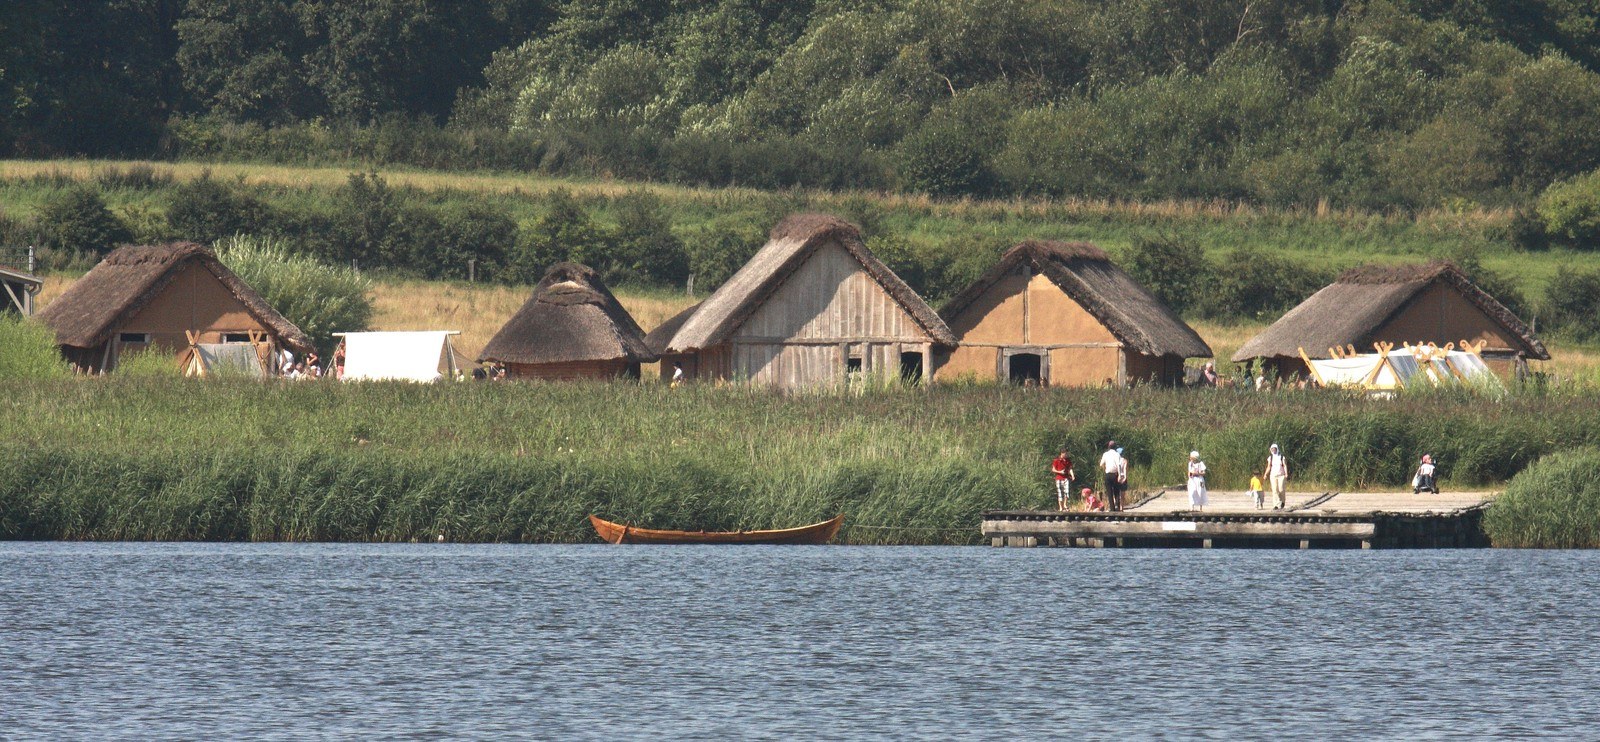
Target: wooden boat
[816,533]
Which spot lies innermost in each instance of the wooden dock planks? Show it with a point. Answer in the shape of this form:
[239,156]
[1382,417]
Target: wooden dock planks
[1312,520]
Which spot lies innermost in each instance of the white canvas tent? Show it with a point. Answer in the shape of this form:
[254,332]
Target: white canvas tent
[1389,369]
[424,356]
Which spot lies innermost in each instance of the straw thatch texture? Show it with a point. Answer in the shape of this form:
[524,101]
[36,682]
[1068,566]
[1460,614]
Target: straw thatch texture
[791,242]
[1362,300]
[131,277]
[1138,319]
[571,317]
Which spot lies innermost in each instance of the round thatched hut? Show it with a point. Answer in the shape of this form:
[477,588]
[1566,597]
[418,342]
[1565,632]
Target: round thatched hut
[571,328]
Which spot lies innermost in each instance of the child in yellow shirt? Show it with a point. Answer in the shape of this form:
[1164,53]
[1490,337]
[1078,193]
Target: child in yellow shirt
[1255,491]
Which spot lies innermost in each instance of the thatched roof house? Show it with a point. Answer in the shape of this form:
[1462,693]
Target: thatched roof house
[1063,314]
[572,327]
[1428,303]
[154,296]
[811,306]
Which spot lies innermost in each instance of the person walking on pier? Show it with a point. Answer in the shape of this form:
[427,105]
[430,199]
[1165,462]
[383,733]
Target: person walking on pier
[1061,467]
[1111,464]
[1278,477]
[1197,481]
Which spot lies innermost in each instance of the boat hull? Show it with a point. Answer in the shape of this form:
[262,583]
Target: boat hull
[816,533]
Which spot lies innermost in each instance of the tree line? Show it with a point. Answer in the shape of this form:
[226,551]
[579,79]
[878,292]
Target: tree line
[1373,103]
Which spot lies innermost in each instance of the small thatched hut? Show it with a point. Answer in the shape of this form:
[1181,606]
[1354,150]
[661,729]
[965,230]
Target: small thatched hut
[1416,304]
[154,297]
[812,306]
[1062,314]
[571,328]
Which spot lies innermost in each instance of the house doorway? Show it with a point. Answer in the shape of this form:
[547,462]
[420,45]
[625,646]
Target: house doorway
[911,367]
[1025,368]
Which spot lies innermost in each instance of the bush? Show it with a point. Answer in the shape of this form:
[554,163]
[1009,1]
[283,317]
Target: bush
[28,350]
[446,237]
[148,363]
[1173,269]
[77,220]
[564,232]
[1252,284]
[645,247]
[1572,304]
[207,210]
[1571,212]
[717,251]
[1553,504]
[320,299]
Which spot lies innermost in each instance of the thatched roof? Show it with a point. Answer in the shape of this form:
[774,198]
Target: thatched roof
[571,317]
[1085,273]
[1362,300]
[788,247]
[131,277]
[658,338]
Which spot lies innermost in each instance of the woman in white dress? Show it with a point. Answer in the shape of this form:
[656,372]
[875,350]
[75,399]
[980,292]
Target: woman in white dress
[1197,481]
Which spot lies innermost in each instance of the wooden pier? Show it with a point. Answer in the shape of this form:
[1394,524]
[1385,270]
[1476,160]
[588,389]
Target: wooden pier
[1311,520]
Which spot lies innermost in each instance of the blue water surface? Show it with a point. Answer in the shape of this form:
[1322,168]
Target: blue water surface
[163,641]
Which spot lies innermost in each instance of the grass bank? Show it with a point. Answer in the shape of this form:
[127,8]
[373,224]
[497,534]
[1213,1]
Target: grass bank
[1322,237]
[127,458]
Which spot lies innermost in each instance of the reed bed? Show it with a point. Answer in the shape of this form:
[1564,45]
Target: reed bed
[1554,504]
[134,458]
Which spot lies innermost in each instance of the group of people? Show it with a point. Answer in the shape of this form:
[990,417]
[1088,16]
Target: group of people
[311,367]
[1114,466]
[1275,473]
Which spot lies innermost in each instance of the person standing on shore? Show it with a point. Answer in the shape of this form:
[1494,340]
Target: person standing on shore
[1197,481]
[1061,467]
[1111,463]
[1122,479]
[1278,477]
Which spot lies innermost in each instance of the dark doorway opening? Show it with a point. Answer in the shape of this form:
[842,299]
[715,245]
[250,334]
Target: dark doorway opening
[911,367]
[632,372]
[1023,368]
[852,365]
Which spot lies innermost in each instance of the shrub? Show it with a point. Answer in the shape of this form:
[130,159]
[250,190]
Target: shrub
[28,350]
[1248,283]
[457,232]
[371,223]
[207,210]
[645,246]
[1553,504]
[1572,304]
[717,251]
[320,299]
[77,220]
[1571,211]
[564,232]
[1173,269]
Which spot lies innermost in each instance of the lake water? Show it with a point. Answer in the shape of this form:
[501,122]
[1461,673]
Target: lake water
[289,641]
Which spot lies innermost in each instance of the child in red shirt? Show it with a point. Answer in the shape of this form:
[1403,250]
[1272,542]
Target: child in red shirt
[1061,467]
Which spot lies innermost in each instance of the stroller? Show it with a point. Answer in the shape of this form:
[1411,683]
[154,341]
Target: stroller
[1423,480]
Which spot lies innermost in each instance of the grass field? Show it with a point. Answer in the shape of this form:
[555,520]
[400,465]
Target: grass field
[1327,238]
